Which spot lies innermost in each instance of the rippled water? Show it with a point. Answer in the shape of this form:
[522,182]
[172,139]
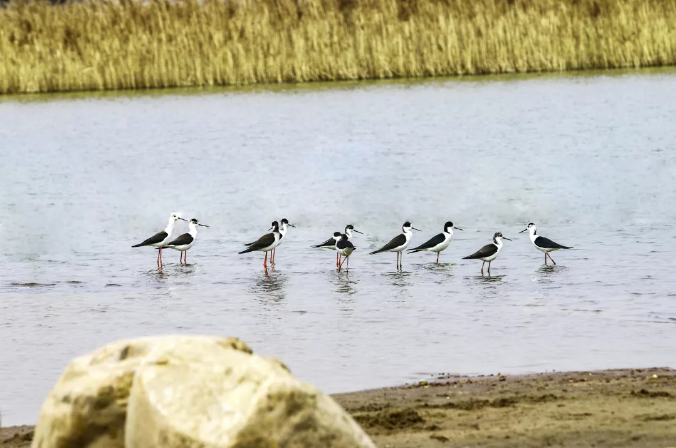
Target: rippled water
[590,159]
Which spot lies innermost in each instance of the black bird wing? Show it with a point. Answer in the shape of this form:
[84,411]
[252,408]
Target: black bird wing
[546,243]
[397,241]
[331,242]
[434,241]
[344,244]
[260,243]
[157,238]
[486,251]
[186,238]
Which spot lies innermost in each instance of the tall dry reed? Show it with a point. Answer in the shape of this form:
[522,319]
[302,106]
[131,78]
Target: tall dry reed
[132,45]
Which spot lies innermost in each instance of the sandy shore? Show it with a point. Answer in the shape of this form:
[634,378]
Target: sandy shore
[611,408]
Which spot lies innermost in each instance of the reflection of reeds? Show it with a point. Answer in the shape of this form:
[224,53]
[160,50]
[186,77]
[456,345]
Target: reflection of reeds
[105,45]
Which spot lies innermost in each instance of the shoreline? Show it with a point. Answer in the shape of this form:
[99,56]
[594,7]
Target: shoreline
[622,407]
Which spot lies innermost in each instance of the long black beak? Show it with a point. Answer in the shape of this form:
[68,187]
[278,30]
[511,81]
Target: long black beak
[203,225]
[416,229]
[505,238]
[291,225]
[182,219]
[270,228]
[457,228]
[355,230]
[524,230]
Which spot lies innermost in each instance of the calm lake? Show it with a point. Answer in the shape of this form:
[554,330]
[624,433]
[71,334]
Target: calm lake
[589,158]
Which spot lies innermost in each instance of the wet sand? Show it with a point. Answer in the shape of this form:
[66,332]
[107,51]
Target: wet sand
[610,408]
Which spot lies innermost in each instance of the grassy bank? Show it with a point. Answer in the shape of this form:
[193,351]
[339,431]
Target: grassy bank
[99,45]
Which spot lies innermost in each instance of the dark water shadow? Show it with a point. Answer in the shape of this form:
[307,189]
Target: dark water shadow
[156,274]
[172,270]
[440,268]
[31,285]
[488,287]
[344,282]
[186,270]
[400,280]
[549,269]
[269,286]
[487,278]
[549,273]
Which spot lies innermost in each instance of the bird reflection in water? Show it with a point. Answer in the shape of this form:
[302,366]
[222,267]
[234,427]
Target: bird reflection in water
[490,287]
[344,284]
[156,274]
[400,279]
[270,286]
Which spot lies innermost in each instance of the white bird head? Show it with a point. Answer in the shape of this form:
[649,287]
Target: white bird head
[530,229]
[176,216]
[497,238]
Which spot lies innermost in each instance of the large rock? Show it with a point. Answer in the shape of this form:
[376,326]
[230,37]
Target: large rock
[188,391]
[88,405]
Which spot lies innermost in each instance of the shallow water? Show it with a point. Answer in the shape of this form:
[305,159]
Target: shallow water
[590,159]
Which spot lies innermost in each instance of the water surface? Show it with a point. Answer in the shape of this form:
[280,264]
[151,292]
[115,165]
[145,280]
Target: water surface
[590,159]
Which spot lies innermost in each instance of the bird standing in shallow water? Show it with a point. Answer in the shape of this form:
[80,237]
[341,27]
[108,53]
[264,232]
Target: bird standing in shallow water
[399,243]
[160,239]
[266,243]
[345,248]
[489,252]
[331,242]
[282,231]
[184,242]
[543,244]
[439,242]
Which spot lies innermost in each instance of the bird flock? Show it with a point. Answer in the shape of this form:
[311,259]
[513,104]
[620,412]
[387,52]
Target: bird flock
[340,242]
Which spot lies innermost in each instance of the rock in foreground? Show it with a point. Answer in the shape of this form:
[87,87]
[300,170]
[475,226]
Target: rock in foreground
[188,391]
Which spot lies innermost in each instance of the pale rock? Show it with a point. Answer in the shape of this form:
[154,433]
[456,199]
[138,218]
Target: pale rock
[241,402]
[189,391]
[87,407]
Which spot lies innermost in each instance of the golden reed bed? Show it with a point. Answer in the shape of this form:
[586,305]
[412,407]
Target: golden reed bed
[99,45]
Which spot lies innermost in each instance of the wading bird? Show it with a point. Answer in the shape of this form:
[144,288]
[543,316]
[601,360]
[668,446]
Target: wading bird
[184,242]
[439,242]
[331,242]
[489,252]
[345,248]
[543,244]
[282,231]
[266,243]
[160,239]
[399,243]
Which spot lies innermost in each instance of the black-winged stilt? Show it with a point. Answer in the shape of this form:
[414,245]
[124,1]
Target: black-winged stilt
[543,244]
[160,239]
[489,252]
[184,242]
[331,242]
[438,242]
[399,243]
[345,248]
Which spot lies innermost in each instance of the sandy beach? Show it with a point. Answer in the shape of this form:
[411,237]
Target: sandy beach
[611,408]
